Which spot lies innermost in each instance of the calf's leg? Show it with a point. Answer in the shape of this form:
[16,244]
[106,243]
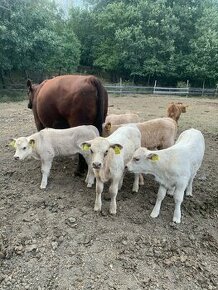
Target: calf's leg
[45,169]
[113,189]
[160,196]
[189,187]
[90,178]
[99,190]
[178,197]
[135,187]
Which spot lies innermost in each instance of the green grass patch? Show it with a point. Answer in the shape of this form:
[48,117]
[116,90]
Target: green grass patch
[7,95]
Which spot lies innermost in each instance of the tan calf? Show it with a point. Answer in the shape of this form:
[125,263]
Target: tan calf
[122,118]
[174,110]
[155,134]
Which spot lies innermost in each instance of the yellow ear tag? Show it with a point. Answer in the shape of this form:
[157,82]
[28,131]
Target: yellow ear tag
[13,143]
[155,157]
[117,150]
[32,143]
[85,147]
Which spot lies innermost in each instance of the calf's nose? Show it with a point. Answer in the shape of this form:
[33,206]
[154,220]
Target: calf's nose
[16,157]
[96,165]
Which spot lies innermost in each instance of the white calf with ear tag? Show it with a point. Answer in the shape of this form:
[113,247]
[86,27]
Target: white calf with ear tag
[174,168]
[108,159]
[49,143]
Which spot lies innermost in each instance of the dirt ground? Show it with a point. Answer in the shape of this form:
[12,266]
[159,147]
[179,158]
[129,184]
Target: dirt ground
[54,240]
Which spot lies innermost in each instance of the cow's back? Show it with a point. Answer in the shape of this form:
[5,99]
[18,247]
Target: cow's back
[69,101]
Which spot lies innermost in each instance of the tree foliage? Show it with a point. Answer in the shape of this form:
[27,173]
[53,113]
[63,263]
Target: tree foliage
[140,40]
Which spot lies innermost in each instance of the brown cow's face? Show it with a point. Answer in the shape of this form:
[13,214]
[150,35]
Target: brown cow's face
[31,92]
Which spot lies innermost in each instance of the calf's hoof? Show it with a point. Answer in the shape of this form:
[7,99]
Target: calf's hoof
[154,214]
[176,220]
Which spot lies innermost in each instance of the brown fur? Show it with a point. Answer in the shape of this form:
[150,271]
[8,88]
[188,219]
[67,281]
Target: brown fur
[68,101]
[174,110]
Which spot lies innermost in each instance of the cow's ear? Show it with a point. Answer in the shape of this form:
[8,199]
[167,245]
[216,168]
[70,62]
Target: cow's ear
[29,85]
[153,157]
[108,126]
[12,142]
[117,148]
[32,142]
[85,146]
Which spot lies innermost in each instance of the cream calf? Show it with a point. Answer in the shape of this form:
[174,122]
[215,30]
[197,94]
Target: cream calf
[49,143]
[174,168]
[109,157]
[156,133]
[122,118]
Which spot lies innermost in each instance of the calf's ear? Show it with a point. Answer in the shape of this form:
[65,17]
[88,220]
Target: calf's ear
[153,157]
[32,142]
[12,143]
[85,146]
[117,148]
[108,126]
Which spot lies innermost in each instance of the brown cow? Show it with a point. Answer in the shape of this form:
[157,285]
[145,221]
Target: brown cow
[68,101]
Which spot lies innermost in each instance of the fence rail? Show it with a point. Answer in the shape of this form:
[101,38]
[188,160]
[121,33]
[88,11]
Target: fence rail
[127,89]
[186,91]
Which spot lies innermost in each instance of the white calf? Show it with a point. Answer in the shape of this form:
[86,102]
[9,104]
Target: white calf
[48,143]
[174,168]
[109,157]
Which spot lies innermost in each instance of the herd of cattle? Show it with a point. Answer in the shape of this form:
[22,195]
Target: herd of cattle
[110,144]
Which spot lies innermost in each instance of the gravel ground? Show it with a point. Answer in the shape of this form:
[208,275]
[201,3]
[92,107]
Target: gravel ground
[54,240]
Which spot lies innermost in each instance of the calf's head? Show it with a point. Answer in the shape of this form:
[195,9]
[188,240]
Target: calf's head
[23,146]
[100,148]
[142,161]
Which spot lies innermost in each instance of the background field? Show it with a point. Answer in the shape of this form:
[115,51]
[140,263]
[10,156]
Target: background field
[54,240]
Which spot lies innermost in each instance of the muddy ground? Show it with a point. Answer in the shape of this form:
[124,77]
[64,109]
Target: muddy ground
[54,240]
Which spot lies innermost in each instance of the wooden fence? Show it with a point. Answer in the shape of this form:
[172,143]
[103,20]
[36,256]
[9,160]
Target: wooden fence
[186,91]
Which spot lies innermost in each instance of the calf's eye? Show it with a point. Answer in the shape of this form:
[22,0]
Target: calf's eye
[136,159]
[24,148]
[106,152]
[91,151]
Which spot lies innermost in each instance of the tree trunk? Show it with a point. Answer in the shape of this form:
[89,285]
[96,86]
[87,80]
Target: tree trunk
[2,79]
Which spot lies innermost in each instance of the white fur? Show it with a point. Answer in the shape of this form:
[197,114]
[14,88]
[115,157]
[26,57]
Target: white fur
[174,170]
[49,143]
[110,166]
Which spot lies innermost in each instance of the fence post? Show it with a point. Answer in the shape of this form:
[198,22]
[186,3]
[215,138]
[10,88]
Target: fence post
[120,86]
[216,90]
[155,84]
[203,88]
[187,85]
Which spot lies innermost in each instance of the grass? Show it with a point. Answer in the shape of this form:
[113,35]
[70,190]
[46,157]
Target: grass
[7,95]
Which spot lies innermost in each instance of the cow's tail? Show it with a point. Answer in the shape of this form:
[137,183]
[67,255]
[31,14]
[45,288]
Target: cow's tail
[102,104]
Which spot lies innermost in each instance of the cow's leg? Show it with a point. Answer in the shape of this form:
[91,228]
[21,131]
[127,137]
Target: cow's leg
[45,169]
[81,167]
[113,189]
[99,190]
[38,123]
[160,196]
[178,197]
